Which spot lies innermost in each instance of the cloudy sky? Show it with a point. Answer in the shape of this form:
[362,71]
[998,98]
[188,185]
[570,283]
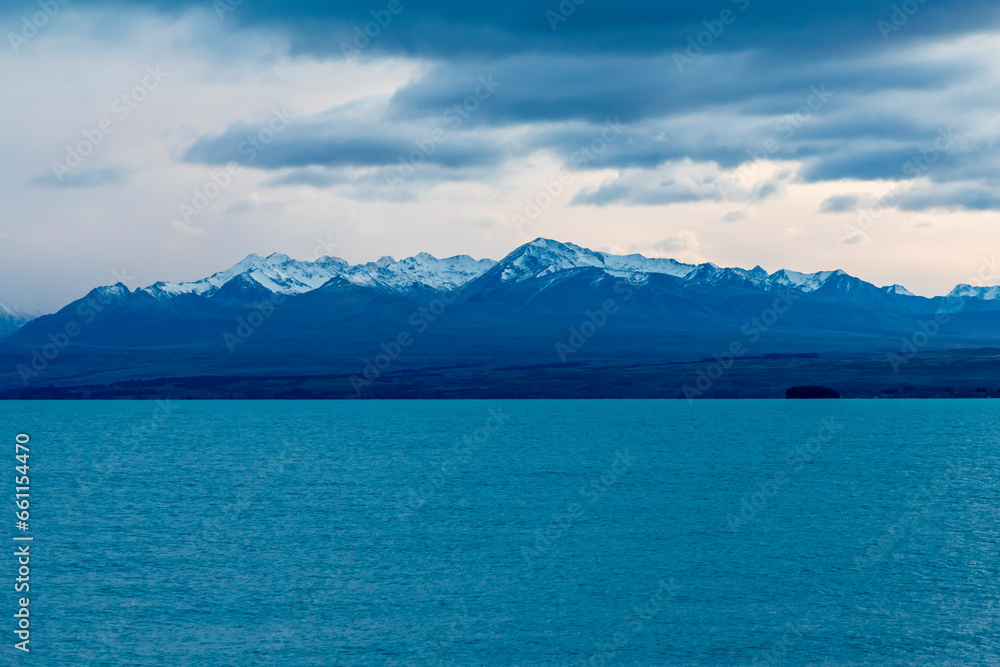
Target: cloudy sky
[166,140]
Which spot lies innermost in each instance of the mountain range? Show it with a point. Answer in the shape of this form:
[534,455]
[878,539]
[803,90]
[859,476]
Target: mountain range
[548,312]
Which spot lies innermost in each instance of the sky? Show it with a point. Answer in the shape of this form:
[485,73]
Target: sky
[158,140]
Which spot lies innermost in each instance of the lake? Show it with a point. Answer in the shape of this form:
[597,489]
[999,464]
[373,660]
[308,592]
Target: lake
[509,532]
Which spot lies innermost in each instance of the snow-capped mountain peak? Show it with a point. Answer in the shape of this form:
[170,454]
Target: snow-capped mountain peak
[898,289]
[804,282]
[544,256]
[12,319]
[421,271]
[277,272]
[281,274]
[986,292]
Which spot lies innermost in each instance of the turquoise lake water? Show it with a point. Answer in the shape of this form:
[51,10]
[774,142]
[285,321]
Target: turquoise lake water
[508,532]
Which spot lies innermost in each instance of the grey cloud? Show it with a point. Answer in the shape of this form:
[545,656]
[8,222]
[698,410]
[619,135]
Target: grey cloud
[842,114]
[445,29]
[970,196]
[676,183]
[839,204]
[91,178]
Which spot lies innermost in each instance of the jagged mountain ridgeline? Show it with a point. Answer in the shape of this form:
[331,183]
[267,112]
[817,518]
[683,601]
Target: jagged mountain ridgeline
[544,309]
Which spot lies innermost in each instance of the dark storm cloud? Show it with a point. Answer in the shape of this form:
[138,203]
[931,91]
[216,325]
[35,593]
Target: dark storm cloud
[554,88]
[314,144]
[859,164]
[448,28]
[850,90]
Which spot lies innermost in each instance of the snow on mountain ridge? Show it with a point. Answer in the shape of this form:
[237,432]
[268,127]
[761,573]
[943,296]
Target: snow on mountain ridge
[423,270]
[12,319]
[985,292]
[8,313]
[16,316]
[278,273]
[282,274]
[544,256]
[898,289]
[805,282]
